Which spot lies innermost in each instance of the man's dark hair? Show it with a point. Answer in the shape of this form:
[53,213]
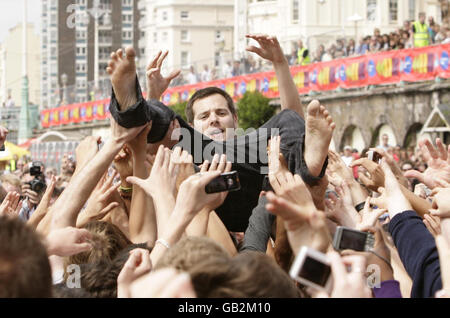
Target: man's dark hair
[24,267]
[100,279]
[206,92]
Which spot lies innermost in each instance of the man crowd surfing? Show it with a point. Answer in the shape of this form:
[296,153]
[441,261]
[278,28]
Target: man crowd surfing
[130,217]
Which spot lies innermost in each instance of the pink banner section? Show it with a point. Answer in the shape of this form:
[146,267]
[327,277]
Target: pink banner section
[411,65]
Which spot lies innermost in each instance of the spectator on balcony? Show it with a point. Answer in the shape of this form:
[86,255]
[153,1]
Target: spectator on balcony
[439,34]
[303,54]
[192,76]
[206,74]
[447,37]
[10,101]
[421,32]
[341,50]
[374,46]
[236,70]
[362,47]
[318,56]
[227,70]
[351,48]
[385,42]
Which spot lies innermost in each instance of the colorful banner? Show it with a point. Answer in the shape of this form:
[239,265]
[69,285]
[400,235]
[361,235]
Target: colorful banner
[391,67]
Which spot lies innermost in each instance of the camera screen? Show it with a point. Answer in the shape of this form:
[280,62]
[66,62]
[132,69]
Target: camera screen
[315,271]
[352,240]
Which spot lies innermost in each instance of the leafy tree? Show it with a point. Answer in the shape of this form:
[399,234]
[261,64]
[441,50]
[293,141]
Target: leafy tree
[179,109]
[254,110]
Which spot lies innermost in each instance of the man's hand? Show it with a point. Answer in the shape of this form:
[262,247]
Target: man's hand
[100,202]
[137,265]
[304,226]
[11,205]
[156,83]
[438,161]
[123,163]
[86,150]
[441,202]
[161,182]
[376,178]
[269,49]
[349,283]
[68,241]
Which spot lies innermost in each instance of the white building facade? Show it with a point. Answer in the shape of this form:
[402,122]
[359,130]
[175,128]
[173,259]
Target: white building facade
[323,21]
[195,32]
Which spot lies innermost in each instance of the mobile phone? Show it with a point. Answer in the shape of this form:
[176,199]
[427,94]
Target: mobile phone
[312,268]
[350,239]
[225,182]
[374,156]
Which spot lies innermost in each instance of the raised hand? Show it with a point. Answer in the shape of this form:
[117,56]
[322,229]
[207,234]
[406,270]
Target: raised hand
[185,163]
[269,49]
[433,224]
[163,176]
[349,283]
[68,241]
[100,202]
[396,201]
[376,174]
[304,224]
[438,161]
[192,196]
[393,164]
[137,265]
[369,216]
[341,209]
[86,150]
[337,167]
[11,205]
[441,202]
[156,83]
[443,247]
[123,163]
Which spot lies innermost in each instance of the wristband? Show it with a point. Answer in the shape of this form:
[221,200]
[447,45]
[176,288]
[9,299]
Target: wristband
[164,243]
[360,206]
[125,190]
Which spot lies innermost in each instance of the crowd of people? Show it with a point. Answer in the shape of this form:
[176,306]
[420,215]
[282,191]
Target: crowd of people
[147,213]
[411,35]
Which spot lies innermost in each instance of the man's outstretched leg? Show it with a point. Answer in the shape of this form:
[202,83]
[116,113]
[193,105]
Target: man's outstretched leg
[122,70]
[128,107]
[318,132]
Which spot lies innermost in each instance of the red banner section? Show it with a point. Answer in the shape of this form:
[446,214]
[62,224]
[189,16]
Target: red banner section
[375,69]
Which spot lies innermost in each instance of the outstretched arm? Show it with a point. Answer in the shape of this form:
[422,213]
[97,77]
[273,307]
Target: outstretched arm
[270,50]
[80,187]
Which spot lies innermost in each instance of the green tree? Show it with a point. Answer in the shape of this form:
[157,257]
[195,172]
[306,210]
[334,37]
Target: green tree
[254,110]
[179,109]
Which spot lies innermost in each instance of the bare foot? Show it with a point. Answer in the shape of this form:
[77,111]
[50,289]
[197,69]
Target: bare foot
[122,70]
[319,130]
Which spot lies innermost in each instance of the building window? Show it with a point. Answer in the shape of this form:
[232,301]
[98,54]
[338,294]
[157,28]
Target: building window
[127,3]
[164,15]
[184,15]
[219,36]
[295,10]
[184,35]
[184,59]
[371,10]
[217,59]
[164,37]
[393,10]
[412,9]
[127,35]
[155,37]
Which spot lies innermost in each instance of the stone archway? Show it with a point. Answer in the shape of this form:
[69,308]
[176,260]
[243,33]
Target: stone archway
[352,137]
[379,132]
[412,135]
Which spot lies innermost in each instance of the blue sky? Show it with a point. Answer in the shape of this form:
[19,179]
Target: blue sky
[11,12]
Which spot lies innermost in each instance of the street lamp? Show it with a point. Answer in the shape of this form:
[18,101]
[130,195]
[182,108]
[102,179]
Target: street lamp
[355,18]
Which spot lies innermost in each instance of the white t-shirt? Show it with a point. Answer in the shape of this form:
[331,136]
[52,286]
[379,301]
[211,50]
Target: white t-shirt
[347,160]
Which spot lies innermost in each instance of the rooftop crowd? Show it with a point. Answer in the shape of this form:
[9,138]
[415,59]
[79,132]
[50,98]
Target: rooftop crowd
[130,216]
